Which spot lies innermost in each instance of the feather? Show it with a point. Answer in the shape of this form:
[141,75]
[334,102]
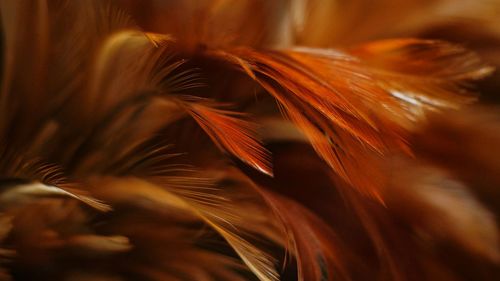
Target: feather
[212,209]
[313,244]
[334,97]
[231,133]
[17,193]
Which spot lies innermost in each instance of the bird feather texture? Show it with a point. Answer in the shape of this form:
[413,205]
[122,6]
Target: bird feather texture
[151,140]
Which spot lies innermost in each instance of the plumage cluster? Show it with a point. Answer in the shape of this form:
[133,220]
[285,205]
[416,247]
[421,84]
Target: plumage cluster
[246,140]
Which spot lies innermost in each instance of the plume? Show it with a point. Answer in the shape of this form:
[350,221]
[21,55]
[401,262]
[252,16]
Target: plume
[246,140]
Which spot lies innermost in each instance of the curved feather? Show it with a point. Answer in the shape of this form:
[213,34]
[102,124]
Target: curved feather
[338,99]
[186,188]
[231,133]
